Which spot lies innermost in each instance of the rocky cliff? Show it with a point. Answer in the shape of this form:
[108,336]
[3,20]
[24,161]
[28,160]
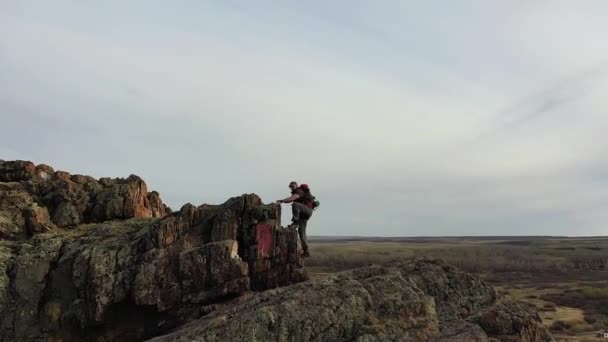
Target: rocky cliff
[104,260]
[132,270]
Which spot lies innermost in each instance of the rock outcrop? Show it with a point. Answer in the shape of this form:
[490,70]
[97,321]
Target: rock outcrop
[36,199]
[417,300]
[128,280]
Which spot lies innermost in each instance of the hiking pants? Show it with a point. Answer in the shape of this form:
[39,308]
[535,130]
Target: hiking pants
[301,215]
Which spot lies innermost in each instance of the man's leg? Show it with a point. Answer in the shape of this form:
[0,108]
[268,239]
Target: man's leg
[298,210]
[303,239]
[301,215]
[305,215]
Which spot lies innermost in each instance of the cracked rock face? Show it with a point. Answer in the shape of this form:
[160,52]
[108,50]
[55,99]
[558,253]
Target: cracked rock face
[128,280]
[416,300]
[135,270]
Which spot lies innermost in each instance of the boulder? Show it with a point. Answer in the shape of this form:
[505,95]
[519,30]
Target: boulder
[37,220]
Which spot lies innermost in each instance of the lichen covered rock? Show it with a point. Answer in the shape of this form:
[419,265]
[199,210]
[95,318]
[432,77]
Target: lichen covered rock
[128,280]
[416,300]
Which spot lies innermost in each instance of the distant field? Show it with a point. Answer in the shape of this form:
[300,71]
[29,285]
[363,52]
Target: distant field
[566,279]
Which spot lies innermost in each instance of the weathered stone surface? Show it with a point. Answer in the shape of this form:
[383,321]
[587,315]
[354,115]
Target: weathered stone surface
[213,270]
[5,261]
[37,219]
[510,321]
[121,199]
[419,300]
[30,193]
[127,280]
[157,207]
[31,268]
[16,171]
[14,200]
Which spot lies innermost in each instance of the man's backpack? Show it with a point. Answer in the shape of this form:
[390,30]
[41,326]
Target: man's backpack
[309,196]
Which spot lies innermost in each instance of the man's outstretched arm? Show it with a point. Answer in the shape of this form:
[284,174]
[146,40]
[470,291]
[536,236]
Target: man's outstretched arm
[289,199]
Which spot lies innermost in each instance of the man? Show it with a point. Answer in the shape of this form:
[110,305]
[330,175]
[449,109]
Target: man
[301,210]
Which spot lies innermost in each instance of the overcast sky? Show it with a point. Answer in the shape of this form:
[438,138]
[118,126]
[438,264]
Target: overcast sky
[405,118]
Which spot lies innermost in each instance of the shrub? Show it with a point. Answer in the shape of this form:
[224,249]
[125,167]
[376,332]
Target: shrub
[549,307]
[578,327]
[560,326]
[590,319]
[595,293]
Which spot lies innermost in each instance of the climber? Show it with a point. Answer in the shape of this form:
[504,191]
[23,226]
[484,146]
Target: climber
[301,208]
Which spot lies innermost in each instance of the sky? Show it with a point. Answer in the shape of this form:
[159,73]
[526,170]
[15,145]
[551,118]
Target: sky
[405,118]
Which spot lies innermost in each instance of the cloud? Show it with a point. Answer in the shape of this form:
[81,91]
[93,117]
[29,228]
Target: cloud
[573,88]
[406,119]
